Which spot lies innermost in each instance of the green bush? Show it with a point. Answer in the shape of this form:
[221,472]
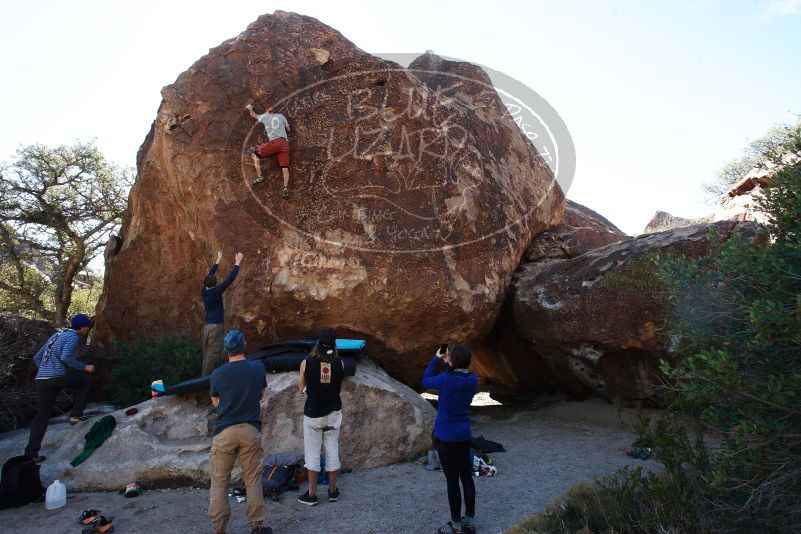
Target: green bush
[729,443]
[626,501]
[172,359]
[737,313]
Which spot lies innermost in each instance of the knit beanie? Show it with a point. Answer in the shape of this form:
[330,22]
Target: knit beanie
[234,342]
[80,320]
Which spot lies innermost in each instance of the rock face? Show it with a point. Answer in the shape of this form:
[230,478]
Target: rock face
[169,441]
[412,200]
[740,203]
[515,364]
[581,230]
[594,320]
[663,221]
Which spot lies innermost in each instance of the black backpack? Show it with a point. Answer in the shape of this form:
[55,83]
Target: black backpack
[20,483]
[276,479]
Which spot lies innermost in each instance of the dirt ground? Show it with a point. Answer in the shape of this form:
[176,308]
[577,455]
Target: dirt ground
[548,450]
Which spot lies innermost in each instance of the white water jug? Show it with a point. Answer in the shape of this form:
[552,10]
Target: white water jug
[56,496]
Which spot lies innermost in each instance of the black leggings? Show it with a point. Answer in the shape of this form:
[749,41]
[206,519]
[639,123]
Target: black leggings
[457,463]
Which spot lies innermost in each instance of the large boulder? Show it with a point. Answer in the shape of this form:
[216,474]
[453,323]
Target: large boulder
[169,441]
[594,320]
[412,200]
[663,221]
[739,203]
[514,364]
[581,230]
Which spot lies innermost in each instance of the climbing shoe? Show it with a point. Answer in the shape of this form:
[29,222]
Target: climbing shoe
[101,524]
[308,500]
[88,516]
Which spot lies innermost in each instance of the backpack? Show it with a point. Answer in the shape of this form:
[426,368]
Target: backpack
[20,483]
[276,479]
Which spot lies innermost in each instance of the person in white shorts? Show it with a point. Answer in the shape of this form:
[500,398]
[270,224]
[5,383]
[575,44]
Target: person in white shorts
[321,376]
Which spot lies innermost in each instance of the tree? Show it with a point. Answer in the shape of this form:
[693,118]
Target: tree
[58,207]
[737,315]
[729,441]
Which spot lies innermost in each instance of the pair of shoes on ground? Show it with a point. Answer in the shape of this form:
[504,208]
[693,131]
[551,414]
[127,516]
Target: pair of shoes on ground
[254,530]
[450,528]
[311,500]
[94,521]
[74,420]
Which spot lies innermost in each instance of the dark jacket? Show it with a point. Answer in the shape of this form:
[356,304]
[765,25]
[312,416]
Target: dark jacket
[456,390]
[212,297]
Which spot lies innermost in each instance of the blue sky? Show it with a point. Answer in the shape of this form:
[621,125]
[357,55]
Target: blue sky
[657,95]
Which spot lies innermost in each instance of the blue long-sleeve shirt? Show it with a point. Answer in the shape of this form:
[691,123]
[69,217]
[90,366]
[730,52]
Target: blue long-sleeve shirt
[212,297]
[55,356]
[456,390]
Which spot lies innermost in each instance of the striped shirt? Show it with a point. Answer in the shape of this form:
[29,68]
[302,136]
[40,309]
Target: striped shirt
[55,356]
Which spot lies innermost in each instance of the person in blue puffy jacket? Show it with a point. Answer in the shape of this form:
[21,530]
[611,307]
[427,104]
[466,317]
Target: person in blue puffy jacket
[456,386]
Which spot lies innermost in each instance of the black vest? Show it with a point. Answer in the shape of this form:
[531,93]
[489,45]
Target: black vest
[323,383]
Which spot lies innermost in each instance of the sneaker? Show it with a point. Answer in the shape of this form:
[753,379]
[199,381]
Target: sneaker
[333,495]
[261,530]
[285,192]
[309,500]
[468,529]
[448,528]
[258,179]
[79,419]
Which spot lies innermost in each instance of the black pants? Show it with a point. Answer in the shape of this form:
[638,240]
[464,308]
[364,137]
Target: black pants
[457,464]
[46,393]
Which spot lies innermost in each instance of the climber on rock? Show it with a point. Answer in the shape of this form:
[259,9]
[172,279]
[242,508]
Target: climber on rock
[214,326]
[276,127]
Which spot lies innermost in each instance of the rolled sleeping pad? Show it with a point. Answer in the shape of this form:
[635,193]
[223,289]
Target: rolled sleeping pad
[283,362]
[273,364]
[343,345]
[188,386]
[291,362]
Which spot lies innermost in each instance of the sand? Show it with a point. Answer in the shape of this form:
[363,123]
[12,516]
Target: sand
[548,450]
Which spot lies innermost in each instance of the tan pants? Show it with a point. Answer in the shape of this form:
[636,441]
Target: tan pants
[241,441]
[213,354]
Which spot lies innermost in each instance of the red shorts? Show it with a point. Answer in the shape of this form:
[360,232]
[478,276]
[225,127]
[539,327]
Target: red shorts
[278,147]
